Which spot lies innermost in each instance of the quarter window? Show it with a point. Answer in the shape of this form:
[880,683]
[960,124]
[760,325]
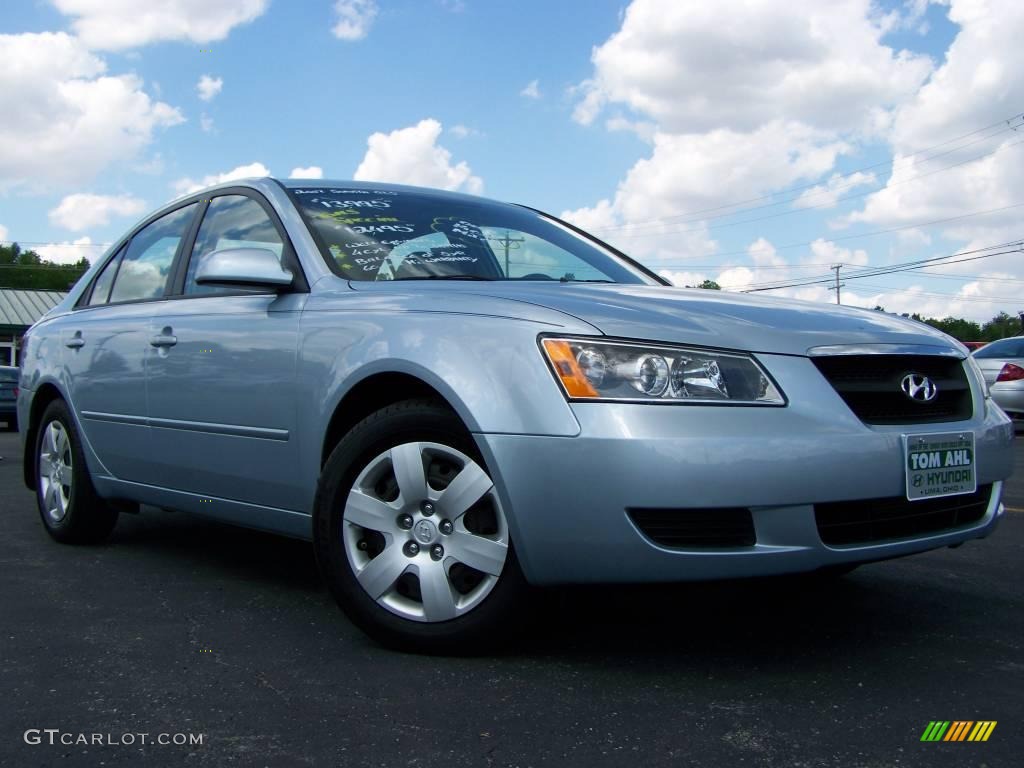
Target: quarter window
[147,262]
[231,221]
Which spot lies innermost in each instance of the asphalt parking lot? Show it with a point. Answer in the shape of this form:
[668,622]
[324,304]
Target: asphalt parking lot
[179,625]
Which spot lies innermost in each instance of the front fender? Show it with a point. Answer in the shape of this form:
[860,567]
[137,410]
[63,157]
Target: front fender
[489,369]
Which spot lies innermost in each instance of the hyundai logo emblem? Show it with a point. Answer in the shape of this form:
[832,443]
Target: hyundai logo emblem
[919,388]
[424,531]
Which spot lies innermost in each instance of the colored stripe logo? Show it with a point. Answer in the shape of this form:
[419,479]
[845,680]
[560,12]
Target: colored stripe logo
[958,730]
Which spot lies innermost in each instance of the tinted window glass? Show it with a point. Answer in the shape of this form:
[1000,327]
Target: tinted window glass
[1003,348]
[231,221]
[9,374]
[147,262]
[379,234]
[101,288]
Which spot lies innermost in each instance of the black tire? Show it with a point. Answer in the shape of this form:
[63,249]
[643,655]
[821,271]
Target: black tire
[484,629]
[87,518]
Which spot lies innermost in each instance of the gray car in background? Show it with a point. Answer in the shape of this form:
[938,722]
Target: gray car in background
[455,399]
[1002,363]
[9,376]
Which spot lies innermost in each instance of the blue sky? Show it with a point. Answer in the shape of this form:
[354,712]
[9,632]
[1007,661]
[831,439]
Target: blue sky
[642,121]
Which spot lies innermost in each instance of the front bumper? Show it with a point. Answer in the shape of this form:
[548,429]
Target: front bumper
[566,498]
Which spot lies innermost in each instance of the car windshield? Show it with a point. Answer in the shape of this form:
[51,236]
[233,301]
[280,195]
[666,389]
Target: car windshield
[375,234]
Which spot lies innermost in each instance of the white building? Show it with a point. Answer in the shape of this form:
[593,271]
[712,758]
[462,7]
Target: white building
[18,310]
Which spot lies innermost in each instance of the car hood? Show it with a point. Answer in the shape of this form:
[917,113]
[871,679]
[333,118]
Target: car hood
[701,317]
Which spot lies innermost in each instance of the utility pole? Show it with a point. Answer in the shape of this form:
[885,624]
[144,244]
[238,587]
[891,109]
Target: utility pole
[838,285]
[509,243]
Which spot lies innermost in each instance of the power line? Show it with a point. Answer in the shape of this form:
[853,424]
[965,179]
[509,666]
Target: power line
[827,204]
[877,272]
[844,238]
[958,297]
[1004,126]
[1018,246]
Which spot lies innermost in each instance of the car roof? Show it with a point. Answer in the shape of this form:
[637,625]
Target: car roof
[374,186]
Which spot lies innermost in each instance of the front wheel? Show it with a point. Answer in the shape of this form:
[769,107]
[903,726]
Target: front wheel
[411,536]
[72,511]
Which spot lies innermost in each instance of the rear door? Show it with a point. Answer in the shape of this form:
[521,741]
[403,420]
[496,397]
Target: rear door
[222,390]
[106,339]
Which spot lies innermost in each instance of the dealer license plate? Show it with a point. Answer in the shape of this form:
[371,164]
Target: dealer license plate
[939,465]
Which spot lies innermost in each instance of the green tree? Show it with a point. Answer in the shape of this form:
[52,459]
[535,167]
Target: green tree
[28,271]
[709,285]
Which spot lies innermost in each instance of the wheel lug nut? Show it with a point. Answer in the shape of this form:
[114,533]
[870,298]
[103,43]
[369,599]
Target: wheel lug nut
[446,527]
[427,508]
[436,552]
[405,522]
[411,549]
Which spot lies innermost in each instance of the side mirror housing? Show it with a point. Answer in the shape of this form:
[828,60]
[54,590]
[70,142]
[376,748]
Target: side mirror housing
[249,267]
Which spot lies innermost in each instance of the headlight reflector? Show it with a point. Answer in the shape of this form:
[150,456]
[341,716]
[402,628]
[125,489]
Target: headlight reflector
[597,370]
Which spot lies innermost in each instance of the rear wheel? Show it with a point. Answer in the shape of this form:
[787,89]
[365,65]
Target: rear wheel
[411,535]
[72,511]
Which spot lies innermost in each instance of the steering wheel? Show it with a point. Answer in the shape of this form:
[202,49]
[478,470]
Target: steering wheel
[536,276]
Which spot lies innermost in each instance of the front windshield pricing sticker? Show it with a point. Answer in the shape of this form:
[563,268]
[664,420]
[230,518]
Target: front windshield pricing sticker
[939,465]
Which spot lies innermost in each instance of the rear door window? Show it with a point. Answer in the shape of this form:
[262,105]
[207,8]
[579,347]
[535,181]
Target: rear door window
[146,265]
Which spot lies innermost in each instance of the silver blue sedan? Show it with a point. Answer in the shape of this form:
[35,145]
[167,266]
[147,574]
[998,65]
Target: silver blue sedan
[456,399]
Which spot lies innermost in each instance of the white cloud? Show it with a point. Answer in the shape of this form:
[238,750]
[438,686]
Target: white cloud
[83,210]
[827,195]
[3,233]
[698,66]
[697,172]
[644,129]
[460,131]
[73,120]
[67,252]
[532,90]
[734,111]
[412,156]
[119,24]
[312,172]
[978,84]
[827,251]
[355,17]
[206,123]
[186,185]
[208,87]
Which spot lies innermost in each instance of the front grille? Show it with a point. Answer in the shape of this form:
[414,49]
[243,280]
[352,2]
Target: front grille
[870,386]
[696,528]
[861,522]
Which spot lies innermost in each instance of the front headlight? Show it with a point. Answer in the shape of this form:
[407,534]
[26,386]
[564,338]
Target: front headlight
[589,369]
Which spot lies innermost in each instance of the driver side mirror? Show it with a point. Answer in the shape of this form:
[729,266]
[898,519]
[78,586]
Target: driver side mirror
[249,267]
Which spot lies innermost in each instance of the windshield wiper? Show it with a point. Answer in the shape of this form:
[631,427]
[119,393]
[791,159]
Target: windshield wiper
[444,277]
[574,280]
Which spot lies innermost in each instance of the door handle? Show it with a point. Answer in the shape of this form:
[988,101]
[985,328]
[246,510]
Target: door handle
[76,341]
[163,340]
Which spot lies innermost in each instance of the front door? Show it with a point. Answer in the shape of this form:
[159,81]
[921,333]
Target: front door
[221,375]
